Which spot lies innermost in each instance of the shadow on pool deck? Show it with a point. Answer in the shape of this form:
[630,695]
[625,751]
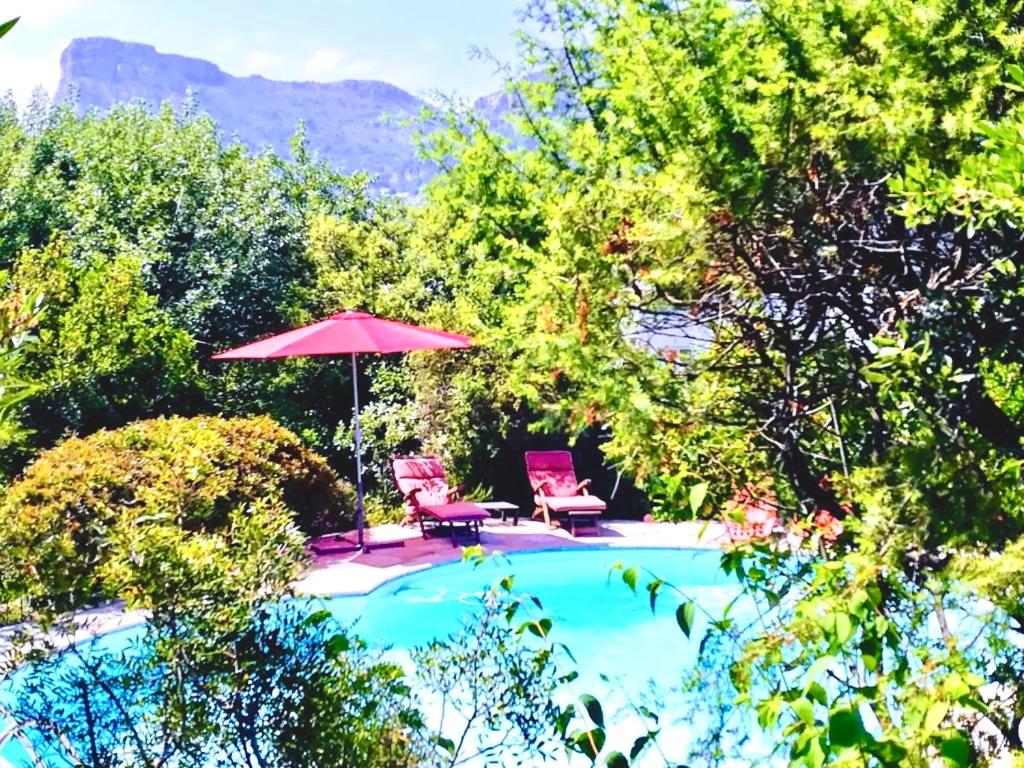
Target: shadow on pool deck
[337,570]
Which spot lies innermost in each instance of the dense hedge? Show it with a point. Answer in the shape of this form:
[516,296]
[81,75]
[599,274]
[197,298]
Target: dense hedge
[64,525]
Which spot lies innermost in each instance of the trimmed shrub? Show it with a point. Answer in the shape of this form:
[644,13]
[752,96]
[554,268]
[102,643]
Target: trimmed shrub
[71,527]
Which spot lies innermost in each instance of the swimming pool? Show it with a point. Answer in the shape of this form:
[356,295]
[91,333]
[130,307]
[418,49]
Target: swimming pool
[593,611]
[627,654]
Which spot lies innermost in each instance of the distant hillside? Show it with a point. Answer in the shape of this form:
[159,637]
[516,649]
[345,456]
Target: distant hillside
[353,124]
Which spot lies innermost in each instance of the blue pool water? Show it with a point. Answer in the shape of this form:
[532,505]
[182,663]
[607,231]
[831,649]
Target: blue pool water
[627,654]
[593,611]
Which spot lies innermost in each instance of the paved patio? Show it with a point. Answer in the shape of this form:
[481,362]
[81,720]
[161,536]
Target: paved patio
[396,550]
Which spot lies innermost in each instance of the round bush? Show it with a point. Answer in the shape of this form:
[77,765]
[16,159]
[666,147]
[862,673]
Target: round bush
[68,517]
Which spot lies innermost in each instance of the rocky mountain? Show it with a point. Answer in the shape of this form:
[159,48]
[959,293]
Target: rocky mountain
[353,124]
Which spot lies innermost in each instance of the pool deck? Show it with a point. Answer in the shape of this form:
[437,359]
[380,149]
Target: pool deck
[396,550]
[335,569]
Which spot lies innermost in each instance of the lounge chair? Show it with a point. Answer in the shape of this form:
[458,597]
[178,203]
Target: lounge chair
[429,500]
[556,492]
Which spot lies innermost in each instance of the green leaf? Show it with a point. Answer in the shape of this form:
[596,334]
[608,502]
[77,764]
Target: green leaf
[640,743]
[803,709]
[889,751]
[653,588]
[444,743]
[7,26]
[630,576]
[817,669]
[698,493]
[511,610]
[936,714]
[876,37]
[474,554]
[975,704]
[956,750]
[616,760]
[337,645]
[540,627]
[647,713]
[317,617]
[589,742]
[816,693]
[845,728]
[844,628]
[685,615]
[593,707]
[563,720]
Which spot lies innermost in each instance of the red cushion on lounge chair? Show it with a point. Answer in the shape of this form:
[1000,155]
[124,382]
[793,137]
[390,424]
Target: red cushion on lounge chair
[571,504]
[423,474]
[456,512]
[554,469]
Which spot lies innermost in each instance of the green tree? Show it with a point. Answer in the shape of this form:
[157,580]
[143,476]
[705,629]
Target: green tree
[201,242]
[771,247]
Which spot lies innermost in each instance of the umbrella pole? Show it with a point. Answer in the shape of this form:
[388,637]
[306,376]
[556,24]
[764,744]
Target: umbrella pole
[359,457]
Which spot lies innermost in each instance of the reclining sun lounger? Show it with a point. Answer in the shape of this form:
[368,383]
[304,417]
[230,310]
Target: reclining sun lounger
[556,492]
[429,500]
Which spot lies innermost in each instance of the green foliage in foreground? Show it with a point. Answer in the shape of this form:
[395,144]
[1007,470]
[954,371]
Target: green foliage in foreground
[774,249]
[286,687]
[279,683]
[155,509]
[769,248]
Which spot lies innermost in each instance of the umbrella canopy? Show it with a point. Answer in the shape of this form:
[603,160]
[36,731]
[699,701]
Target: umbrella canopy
[349,333]
[345,333]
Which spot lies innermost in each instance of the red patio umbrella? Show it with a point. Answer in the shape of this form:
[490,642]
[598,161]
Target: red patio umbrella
[349,333]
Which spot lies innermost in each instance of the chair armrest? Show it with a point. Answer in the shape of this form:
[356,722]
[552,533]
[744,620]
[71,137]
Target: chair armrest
[582,484]
[539,487]
[454,492]
[410,496]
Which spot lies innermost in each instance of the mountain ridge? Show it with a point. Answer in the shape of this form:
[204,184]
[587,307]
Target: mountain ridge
[352,124]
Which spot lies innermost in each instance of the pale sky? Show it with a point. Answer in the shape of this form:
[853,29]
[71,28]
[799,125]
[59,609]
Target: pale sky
[418,45]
